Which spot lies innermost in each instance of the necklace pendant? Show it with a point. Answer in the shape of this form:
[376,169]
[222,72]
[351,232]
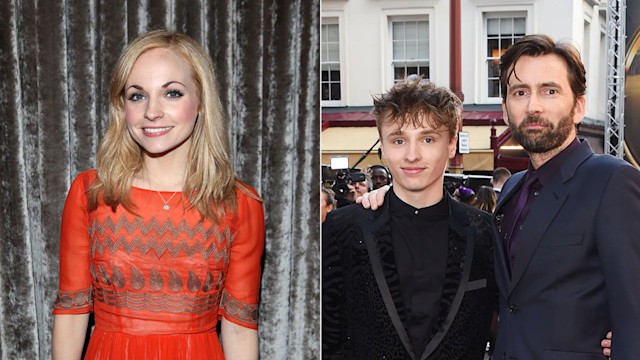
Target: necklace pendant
[166,206]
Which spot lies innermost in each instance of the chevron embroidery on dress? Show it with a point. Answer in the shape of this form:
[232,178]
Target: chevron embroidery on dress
[223,238]
[160,248]
[153,225]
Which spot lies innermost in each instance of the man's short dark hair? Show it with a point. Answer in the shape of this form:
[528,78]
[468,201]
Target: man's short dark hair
[501,174]
[377,166]
[415,101]
[536,45]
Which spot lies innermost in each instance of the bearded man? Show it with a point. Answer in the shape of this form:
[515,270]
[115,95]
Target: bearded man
[568,252]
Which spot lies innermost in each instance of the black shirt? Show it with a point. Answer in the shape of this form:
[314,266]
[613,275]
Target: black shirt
[420,246]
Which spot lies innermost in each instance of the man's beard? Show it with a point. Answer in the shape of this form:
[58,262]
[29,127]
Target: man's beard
[539,141]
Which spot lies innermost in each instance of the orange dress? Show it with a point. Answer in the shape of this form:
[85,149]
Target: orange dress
[158,281]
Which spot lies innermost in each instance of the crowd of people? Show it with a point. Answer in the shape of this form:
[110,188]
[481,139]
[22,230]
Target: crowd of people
[377,176]
[485,197]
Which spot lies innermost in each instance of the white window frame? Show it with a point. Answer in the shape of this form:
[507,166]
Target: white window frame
[405,19]
[401,14]
[494,10]
[335,18]
[486,58]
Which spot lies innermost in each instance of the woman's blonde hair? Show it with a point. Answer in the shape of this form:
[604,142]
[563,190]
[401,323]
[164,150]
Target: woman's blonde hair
[210,180]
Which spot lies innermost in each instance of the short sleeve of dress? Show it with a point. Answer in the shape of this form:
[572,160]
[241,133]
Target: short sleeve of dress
[239,302]
[74,291]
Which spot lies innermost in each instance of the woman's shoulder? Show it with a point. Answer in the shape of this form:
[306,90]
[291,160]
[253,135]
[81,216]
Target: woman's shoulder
[248,201]
[84,179]
[87,175]
[78,191]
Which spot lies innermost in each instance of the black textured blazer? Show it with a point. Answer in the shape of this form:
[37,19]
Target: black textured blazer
[362,311]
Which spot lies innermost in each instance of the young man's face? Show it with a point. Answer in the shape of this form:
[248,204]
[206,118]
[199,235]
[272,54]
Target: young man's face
[540,105]
[417,158]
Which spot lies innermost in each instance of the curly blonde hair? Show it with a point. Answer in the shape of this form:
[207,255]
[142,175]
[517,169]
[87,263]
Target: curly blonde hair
[415,100]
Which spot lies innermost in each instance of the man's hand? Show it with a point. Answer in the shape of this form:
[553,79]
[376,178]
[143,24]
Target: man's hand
[373,199]
[605,343]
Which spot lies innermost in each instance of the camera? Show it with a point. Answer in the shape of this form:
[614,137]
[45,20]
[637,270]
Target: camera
[343,179]
[340,176]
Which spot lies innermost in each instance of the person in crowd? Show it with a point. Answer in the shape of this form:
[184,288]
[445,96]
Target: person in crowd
[379,176]
[465,195]
[567,251]
[162,241]
[349,191]
[359,188]
[485,199]
[345,194]
[327,202]
[401,282]
[500,176]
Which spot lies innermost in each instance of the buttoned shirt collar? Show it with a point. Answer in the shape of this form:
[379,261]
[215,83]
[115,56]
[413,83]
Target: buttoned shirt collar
[551,167]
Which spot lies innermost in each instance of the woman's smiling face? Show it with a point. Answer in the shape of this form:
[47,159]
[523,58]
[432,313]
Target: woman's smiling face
[161,103]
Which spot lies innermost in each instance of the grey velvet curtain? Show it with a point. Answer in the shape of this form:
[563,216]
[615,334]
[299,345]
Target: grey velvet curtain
[56,58]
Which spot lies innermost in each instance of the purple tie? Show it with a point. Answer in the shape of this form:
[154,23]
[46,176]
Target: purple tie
[522,210]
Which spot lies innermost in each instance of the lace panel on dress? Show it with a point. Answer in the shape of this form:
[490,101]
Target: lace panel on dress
[246,313]
[73,300]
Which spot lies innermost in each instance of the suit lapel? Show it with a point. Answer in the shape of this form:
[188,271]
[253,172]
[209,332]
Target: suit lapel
[502,264]
[544,210]
[459,263]
[370,227]
[376,232]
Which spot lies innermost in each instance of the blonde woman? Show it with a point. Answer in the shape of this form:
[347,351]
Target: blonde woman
[162,240]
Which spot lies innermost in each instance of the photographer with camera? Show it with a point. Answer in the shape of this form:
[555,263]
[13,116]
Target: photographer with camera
[348,186]
[346,182]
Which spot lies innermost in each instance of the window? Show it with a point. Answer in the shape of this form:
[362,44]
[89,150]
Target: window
[410,48]
[501,32]
[330,62]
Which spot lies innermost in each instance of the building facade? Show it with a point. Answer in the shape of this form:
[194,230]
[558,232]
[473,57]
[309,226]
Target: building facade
[367,45]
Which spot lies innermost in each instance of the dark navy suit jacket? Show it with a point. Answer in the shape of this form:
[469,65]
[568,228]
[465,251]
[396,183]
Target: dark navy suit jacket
[576,272]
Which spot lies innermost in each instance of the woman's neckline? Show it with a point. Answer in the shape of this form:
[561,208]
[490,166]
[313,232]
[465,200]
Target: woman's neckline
[152,190]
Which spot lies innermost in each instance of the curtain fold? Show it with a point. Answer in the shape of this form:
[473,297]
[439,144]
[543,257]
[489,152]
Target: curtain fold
[56,59]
